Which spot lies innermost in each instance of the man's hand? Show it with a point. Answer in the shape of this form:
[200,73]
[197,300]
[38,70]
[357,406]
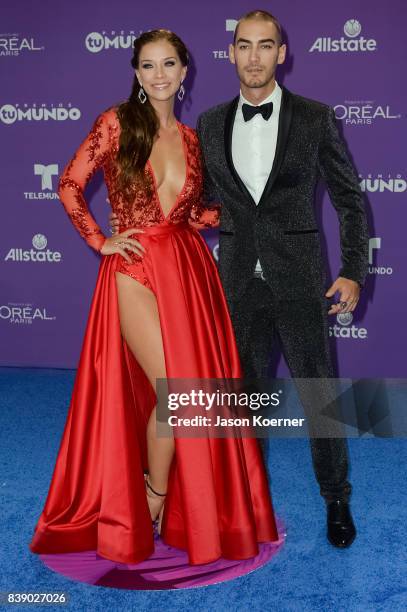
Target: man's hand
[114,223]
[349,292]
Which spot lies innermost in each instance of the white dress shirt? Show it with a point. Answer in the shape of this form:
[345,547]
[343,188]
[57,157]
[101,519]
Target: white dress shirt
[254,146]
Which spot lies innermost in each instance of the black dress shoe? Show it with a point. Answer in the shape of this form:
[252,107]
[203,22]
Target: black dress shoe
[341,529]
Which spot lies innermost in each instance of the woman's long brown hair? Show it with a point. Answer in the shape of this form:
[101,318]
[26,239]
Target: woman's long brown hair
[139,122]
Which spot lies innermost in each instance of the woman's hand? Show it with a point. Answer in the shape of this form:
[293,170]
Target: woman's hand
[121,241]
[114,223]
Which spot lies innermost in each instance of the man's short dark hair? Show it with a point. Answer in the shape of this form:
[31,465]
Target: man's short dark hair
[261,15]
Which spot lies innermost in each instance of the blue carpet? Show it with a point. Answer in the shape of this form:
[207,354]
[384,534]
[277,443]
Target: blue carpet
[308,574]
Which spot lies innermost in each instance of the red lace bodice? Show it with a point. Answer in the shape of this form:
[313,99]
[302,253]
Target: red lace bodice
[99,150]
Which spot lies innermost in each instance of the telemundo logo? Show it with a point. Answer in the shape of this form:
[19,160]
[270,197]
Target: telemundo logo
[375,244]
[46,172]
[352,43]
[101,41]
[230,25]
[10,113]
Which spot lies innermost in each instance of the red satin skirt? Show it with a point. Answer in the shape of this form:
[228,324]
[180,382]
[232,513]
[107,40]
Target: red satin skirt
[218,502]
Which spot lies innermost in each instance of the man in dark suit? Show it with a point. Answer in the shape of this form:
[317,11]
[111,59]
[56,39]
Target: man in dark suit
[264,153]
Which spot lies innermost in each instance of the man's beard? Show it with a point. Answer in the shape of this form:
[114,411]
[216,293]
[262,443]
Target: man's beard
[256,81]
[257,85]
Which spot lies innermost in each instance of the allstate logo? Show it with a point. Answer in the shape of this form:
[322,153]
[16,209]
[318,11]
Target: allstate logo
[345,329]
[215,251]
[345,318]
[39,241]
[354,42]
[94,42]
[352,28]
[38,254]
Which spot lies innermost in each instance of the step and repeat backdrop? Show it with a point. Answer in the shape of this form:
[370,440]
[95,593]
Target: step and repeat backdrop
[63,63]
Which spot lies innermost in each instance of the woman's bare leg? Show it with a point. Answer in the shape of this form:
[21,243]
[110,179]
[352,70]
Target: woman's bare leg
[140,327]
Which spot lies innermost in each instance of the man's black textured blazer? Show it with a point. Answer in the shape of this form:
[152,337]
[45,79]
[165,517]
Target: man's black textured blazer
[281,230]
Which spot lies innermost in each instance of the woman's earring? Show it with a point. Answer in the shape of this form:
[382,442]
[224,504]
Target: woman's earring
[142,95]
[181,92]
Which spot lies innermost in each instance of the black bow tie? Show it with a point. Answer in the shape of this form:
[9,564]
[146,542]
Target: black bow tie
[249,111]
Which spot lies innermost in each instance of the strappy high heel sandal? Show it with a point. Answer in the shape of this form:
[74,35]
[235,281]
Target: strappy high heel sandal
[158,520]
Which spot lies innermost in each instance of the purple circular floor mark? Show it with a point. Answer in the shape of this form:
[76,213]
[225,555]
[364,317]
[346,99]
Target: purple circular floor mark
[166,569]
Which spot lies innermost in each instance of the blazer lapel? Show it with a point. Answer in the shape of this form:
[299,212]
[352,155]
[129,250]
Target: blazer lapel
[284,122]
[228,131]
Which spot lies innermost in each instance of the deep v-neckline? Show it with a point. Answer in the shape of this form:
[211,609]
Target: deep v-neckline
[185,150]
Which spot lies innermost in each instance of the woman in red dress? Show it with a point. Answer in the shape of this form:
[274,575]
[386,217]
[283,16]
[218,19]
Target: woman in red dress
[158,311]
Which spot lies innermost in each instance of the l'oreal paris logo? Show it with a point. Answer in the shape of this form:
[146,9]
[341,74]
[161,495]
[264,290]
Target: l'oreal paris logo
[23,314]
[363,112]
[15,44]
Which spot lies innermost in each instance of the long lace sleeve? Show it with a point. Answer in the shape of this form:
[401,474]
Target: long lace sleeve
[87,159]
[202,216]
[205,213]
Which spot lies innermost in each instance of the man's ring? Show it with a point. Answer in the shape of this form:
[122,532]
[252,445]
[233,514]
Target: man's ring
[343,304]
